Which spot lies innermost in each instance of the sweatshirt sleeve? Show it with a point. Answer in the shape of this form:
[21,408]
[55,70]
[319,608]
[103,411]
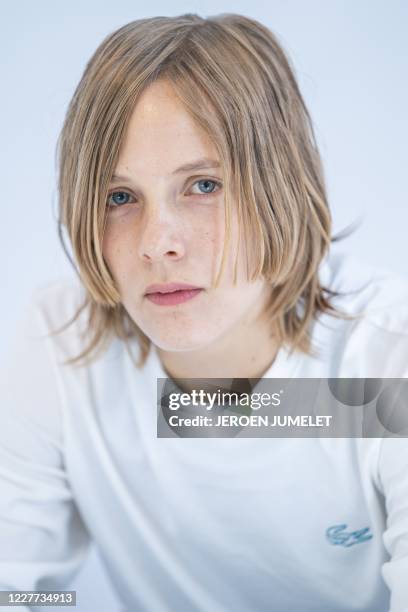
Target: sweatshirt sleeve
[43,540]
[393,473]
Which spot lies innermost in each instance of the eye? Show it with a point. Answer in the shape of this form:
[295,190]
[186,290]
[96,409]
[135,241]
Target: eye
[208,186]
[118,198]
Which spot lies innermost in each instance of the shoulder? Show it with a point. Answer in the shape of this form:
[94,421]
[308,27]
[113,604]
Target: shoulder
[374,343]
[377,292]
[58,299]
[30,395]
[61,310]
[57,314]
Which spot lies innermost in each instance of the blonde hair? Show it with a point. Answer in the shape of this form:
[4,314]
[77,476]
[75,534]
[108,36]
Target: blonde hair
[235,80]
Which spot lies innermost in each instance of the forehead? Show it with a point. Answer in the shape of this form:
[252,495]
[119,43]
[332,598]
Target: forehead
[161,135]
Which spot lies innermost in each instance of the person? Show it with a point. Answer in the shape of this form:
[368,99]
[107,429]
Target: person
[187,158]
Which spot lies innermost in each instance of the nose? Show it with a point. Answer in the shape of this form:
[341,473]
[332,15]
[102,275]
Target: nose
[161,237]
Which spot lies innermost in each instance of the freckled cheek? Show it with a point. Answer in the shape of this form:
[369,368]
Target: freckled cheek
[110,244]
[117,252]
[214,246]
[205,251]
[208,237]
[205,239]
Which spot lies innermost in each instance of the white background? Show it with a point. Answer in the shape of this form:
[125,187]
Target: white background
[351,62]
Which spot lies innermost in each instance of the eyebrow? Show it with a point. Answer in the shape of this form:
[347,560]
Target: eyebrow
[199,164]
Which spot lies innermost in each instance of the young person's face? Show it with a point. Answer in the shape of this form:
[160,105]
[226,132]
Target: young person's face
[167,226]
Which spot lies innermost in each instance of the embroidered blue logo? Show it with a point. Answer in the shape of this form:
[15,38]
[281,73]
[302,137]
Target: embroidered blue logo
[337,535]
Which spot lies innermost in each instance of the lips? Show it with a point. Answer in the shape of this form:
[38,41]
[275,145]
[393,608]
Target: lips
[169,287]
[173,298]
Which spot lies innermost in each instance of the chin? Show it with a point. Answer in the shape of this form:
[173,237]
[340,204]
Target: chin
[182,342]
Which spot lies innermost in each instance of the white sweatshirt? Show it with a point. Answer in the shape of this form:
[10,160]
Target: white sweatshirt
[211,525]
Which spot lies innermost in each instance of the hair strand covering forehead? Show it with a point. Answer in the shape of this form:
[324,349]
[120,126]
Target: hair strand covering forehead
[235,80]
